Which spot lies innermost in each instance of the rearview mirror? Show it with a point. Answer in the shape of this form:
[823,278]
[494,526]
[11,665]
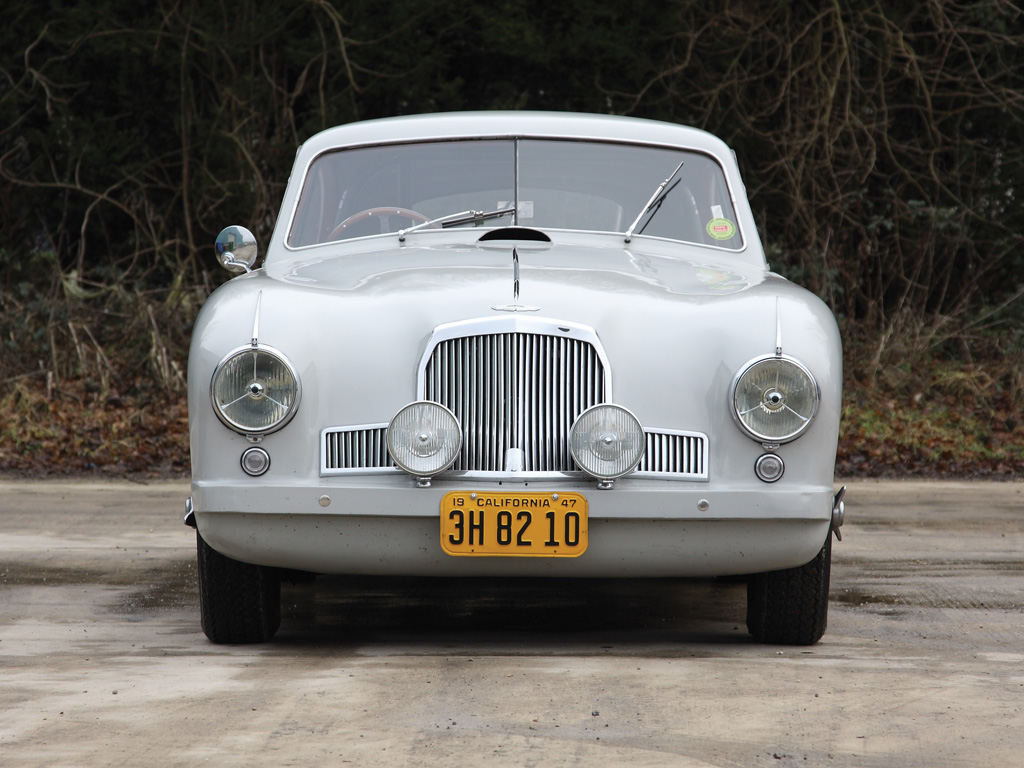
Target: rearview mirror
[236,249]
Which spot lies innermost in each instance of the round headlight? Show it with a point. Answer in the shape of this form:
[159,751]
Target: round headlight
[255,390]
[607,441]
[424,438]
[774,399]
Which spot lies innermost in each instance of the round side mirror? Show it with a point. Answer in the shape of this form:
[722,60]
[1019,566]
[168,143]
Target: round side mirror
[236,249]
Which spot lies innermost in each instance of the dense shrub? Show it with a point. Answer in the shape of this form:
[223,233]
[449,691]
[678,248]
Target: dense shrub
[881,145]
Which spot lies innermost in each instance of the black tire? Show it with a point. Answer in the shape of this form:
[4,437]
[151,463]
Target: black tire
[238,602]
[790,607]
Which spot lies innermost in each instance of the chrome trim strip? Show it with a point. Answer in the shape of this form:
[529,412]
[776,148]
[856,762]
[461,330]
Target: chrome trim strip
[778,327]
[256,321]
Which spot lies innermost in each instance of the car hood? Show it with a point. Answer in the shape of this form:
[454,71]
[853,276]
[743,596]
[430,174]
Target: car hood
[674,329]
[524,276]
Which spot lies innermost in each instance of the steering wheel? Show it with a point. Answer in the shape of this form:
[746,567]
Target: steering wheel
[382,211]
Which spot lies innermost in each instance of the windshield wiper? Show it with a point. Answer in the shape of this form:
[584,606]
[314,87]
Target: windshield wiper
[655,202]
[456,219]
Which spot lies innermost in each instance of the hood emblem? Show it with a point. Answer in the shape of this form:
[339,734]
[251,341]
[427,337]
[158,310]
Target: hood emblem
[515,306]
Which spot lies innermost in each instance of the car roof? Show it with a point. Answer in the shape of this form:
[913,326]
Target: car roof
[503,124]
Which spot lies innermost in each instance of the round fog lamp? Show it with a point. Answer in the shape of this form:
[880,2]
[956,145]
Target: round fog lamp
[607,441]
[424,438]
[769,467]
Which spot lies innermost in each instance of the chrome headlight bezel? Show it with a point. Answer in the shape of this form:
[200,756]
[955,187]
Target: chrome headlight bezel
[221,404]
[805,415]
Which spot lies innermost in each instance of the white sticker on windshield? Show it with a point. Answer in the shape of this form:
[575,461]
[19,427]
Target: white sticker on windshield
[525,207]
[716,211]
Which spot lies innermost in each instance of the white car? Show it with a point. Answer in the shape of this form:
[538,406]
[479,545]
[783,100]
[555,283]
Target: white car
[513,344]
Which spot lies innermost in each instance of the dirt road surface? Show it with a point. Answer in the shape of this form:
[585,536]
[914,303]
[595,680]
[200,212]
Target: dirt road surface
[102,661]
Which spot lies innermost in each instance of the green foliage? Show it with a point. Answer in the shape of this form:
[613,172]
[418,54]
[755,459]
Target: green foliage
[882,145]
[881,142]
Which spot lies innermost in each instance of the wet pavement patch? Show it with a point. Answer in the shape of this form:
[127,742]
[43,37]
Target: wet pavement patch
[173,586]
[60,576]
[423,611]
[170,589]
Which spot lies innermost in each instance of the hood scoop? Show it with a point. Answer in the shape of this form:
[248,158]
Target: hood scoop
[515,233]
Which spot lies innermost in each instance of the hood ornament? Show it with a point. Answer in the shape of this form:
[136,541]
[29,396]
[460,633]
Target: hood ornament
[515,306]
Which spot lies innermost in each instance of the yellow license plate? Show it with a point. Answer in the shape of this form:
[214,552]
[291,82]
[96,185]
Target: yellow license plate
[529,524]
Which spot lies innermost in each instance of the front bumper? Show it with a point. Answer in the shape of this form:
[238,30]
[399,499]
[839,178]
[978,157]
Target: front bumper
[638,529]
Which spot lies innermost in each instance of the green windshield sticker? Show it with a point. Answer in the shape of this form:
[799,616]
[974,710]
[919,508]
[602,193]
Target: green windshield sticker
[721,229]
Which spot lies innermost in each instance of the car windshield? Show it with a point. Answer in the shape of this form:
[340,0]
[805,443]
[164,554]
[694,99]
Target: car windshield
[546,184]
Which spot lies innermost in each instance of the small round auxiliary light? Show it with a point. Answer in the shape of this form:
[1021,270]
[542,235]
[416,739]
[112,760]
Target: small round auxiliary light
[769,467]
[424,438]
[255,461]
[607,441]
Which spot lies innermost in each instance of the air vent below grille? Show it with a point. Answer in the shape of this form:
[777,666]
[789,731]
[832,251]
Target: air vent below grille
[671,455]
[355,448]
[675,454]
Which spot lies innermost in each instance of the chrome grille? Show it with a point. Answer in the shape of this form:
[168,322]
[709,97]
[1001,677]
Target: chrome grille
[679,454]
[355,448]
[515,390]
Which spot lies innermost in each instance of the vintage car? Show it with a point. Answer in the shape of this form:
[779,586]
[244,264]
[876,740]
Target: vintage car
[513,344]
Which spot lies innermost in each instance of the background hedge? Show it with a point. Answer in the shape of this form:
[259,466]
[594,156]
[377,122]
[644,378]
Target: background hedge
[881,145]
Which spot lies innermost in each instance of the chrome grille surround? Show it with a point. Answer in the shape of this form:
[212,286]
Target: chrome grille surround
[515,383]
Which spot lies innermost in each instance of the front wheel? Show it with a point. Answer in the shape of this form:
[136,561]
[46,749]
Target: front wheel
[238,602]
[790,607]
